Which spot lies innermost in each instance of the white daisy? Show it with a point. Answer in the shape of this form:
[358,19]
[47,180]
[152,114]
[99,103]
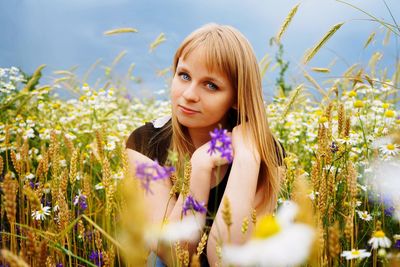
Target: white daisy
[379,240]
[364,215]
[70,136]
[355,254]
[42,213]
[121,127]
[110,146]
[273,243]
[390,149]
[99,186]
[29,176]
[63,163]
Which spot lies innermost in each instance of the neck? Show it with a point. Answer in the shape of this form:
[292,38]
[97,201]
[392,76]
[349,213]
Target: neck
[200,136]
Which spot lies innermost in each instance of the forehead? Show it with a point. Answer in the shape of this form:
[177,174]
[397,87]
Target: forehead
[206,54]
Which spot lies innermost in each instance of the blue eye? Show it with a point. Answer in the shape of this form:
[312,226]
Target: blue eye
[211,86]
[184,76]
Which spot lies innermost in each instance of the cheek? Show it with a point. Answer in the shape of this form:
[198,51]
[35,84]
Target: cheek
[175,91]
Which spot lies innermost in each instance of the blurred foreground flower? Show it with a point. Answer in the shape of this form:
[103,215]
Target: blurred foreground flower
[188,229]
[278,241]
[221,142]
[385,181]
[147,172]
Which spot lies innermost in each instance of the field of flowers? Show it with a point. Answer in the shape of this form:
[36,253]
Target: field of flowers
[68,197]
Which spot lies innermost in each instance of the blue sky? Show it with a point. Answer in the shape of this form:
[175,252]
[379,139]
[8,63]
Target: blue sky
[63,34]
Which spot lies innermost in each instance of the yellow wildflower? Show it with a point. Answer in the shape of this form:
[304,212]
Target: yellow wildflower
[359,104]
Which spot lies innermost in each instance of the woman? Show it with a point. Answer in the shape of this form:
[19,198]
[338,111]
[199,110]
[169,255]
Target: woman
[216,83]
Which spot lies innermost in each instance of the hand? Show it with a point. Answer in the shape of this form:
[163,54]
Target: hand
[243,143]
[203,158]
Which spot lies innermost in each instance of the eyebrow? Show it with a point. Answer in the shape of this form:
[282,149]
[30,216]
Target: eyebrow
[209,78]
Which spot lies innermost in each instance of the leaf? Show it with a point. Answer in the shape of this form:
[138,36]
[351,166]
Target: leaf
[310,54]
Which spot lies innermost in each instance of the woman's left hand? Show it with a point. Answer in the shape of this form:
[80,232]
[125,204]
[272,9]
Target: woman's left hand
[243,143]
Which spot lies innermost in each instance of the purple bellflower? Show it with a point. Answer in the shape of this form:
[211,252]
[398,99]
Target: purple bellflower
[81,200]
[221,142]
[96,258]
[147,172]
[397,244]
[193,204]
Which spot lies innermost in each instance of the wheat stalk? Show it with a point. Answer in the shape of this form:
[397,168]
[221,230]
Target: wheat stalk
[120,30]
[310,54]
[286,22]
[369,40]
[159,40]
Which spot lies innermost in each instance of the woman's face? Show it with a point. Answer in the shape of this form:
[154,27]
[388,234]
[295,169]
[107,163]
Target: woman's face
[200,99]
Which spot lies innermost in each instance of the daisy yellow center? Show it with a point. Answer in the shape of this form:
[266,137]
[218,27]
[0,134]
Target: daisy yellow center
[385,105]
[355,252]
[364,215]
[267,227]
[352,93]
[358,104]
[379,234]
[390,147]
[389,113]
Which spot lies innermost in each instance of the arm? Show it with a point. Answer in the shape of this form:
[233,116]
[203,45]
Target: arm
[202,166]
[240,190]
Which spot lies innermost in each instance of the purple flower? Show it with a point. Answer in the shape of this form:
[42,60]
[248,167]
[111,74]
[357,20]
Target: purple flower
[96,258]
[397,244]
[33,185]
[148,172]
[221,141]
[81,200]
[193,204]
[59,264]
[334,147]
[389,211]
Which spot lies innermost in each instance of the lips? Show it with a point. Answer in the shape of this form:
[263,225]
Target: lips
[187,110]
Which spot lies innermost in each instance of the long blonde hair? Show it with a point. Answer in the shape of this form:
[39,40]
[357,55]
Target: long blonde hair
[228,50]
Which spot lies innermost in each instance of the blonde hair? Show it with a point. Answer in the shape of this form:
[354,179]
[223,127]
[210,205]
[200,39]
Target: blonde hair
[226,49]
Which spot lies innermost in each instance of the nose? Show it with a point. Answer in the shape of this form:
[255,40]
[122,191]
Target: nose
[190,93]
